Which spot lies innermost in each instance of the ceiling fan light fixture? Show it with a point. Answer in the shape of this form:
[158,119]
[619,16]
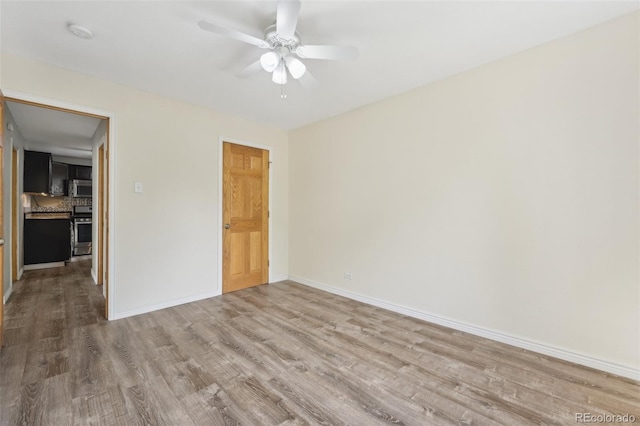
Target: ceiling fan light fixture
[284,47]
[295,66]
[279,75]
[270,61]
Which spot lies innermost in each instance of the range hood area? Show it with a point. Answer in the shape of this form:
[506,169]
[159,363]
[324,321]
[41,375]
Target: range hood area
[44,176]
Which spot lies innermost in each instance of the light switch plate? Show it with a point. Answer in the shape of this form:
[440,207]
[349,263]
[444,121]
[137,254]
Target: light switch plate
[137,187]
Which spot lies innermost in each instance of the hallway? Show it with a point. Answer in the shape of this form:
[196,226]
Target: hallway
[46,311]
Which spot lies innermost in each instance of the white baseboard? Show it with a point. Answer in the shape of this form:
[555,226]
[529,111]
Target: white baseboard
[164,305]
[94,276]
[80,258]
[43,266]
[5,297]
[20,272]
[278,278]
[575,357]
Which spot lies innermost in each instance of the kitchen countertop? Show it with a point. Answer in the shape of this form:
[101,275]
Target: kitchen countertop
[53,215]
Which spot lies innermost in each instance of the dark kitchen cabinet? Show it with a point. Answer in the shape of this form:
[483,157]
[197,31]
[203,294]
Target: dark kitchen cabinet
[44,176]
[37,172]
[47,240]
[79,172]
[59,179]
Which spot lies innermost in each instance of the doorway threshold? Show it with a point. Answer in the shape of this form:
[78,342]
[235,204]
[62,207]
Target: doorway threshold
[43,266]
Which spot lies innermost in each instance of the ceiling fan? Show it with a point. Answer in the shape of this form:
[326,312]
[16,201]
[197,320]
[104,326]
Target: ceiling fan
[284,45]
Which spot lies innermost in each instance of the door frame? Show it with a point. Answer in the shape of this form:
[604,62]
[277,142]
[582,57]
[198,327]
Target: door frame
[2,222]
[57,104]
[103,221]
[220,222]
[100,231]
[15,216]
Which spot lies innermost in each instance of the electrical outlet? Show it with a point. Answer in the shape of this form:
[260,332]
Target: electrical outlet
[348,276]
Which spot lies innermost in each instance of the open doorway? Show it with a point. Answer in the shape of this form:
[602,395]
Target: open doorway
[72,144]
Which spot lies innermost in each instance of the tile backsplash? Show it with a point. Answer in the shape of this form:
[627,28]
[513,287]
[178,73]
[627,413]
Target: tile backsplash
[39,203]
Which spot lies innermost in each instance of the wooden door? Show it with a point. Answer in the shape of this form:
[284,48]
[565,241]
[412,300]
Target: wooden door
[245,206]
[1,219]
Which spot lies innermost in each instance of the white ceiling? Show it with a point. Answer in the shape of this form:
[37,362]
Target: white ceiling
[158,46]
[57,132]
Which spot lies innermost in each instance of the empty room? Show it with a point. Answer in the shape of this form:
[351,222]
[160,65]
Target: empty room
[319,212]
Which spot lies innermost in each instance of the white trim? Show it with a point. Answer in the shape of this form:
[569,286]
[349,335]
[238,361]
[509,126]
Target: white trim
[221,140]
[112,167]
[556,352]
[5,297]
[164,305]
[35,266]
[94,276]
[80,258]
[8,93]
[278,278]
[20,272]
[110,225]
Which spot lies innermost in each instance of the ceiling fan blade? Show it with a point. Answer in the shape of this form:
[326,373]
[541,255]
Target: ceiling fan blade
[287,18]
[246,38]
[254,68]
[308,81]
[343,53]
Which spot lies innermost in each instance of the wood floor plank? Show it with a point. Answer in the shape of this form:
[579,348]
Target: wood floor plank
[472,370]
[213,406]
[276,354]
[514,372]
[143,412]
[30,410]
[124,356]
[13,359]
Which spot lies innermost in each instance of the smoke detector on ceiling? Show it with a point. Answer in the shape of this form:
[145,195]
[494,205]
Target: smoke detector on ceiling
[80,31]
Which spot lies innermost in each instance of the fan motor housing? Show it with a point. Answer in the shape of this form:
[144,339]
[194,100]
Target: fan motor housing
[276,42]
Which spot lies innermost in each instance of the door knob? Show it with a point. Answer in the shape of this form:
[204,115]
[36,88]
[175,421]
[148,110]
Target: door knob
[227,226]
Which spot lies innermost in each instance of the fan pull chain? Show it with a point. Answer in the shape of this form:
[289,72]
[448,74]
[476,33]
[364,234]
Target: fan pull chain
[283,90]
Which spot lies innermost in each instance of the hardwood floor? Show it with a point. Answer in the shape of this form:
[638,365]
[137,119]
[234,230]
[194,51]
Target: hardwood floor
[276,354]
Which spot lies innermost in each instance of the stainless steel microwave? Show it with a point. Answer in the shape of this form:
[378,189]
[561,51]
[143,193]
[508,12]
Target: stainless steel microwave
[81,188]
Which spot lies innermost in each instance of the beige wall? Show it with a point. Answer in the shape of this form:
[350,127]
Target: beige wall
[505,197]
[166,239]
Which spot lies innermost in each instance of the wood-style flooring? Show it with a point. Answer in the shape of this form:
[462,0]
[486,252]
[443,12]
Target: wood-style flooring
[275,354]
